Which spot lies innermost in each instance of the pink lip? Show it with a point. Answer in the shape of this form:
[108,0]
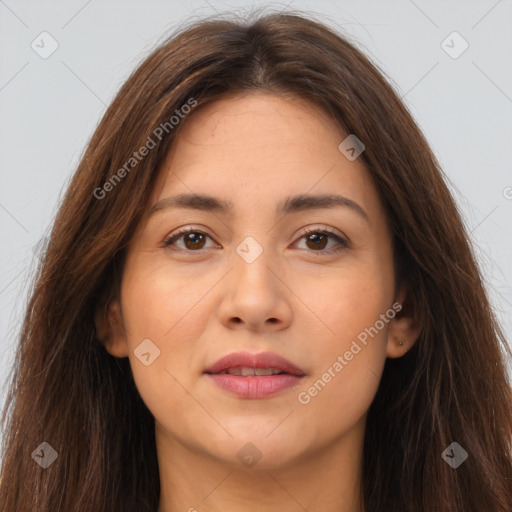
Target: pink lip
[255,386]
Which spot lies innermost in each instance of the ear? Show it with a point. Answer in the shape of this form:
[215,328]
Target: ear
[403,330]
[110,329]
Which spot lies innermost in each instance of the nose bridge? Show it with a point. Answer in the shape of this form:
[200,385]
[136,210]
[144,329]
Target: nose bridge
[253,295]
[250,250]
[253,266]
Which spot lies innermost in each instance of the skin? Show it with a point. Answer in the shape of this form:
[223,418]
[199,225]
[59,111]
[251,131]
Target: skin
[197,305]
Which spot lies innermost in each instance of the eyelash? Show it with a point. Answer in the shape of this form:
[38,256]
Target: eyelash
[325,231]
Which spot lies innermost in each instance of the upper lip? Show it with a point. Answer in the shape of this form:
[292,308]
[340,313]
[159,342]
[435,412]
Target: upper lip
[261,360]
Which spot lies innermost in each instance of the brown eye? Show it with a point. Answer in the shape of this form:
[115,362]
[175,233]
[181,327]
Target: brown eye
[193,240]
[317,240]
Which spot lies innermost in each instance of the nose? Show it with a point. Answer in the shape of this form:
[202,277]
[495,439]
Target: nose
[255,295]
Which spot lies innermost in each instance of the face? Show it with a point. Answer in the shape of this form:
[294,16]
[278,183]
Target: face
[311,283]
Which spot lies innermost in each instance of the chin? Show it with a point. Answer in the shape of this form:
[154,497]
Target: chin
[260,451]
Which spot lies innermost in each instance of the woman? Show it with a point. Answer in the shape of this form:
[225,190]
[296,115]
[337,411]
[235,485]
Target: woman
[193,342]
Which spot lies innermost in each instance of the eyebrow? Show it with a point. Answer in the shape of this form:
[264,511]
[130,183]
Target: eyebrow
[301,202]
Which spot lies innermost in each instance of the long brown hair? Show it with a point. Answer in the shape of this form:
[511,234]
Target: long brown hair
[67,390]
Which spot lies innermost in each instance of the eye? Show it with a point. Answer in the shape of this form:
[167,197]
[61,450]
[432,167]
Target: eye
[316,240]
[192,238]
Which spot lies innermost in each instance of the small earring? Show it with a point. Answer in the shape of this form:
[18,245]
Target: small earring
[400,342]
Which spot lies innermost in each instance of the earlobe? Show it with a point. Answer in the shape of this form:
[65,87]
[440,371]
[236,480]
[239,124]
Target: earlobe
[402,335]
[110,329]
[397,347]
[404,330]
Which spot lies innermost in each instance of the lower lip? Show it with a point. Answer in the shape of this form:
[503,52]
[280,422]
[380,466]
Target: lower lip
[255,387]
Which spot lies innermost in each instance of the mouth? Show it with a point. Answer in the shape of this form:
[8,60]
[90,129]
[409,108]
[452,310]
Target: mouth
[254,375]
[245,371]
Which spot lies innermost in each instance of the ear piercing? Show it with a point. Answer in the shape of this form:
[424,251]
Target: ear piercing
[400,342]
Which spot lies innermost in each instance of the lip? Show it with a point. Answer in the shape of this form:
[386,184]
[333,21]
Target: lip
[255,386]
[261,360]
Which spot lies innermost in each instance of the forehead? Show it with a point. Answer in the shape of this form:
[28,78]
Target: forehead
[257,119]
[258,147]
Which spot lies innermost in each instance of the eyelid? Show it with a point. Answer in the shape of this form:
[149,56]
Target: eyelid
[343,240]
[322,228]
[183,231]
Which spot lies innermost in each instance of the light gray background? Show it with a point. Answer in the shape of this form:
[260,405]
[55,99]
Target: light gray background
[50,107]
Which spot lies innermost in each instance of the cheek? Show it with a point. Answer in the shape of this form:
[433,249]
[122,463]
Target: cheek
[340,396]
[158,302]
[350,355]
[344,303]
[161,307]
[345,381]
